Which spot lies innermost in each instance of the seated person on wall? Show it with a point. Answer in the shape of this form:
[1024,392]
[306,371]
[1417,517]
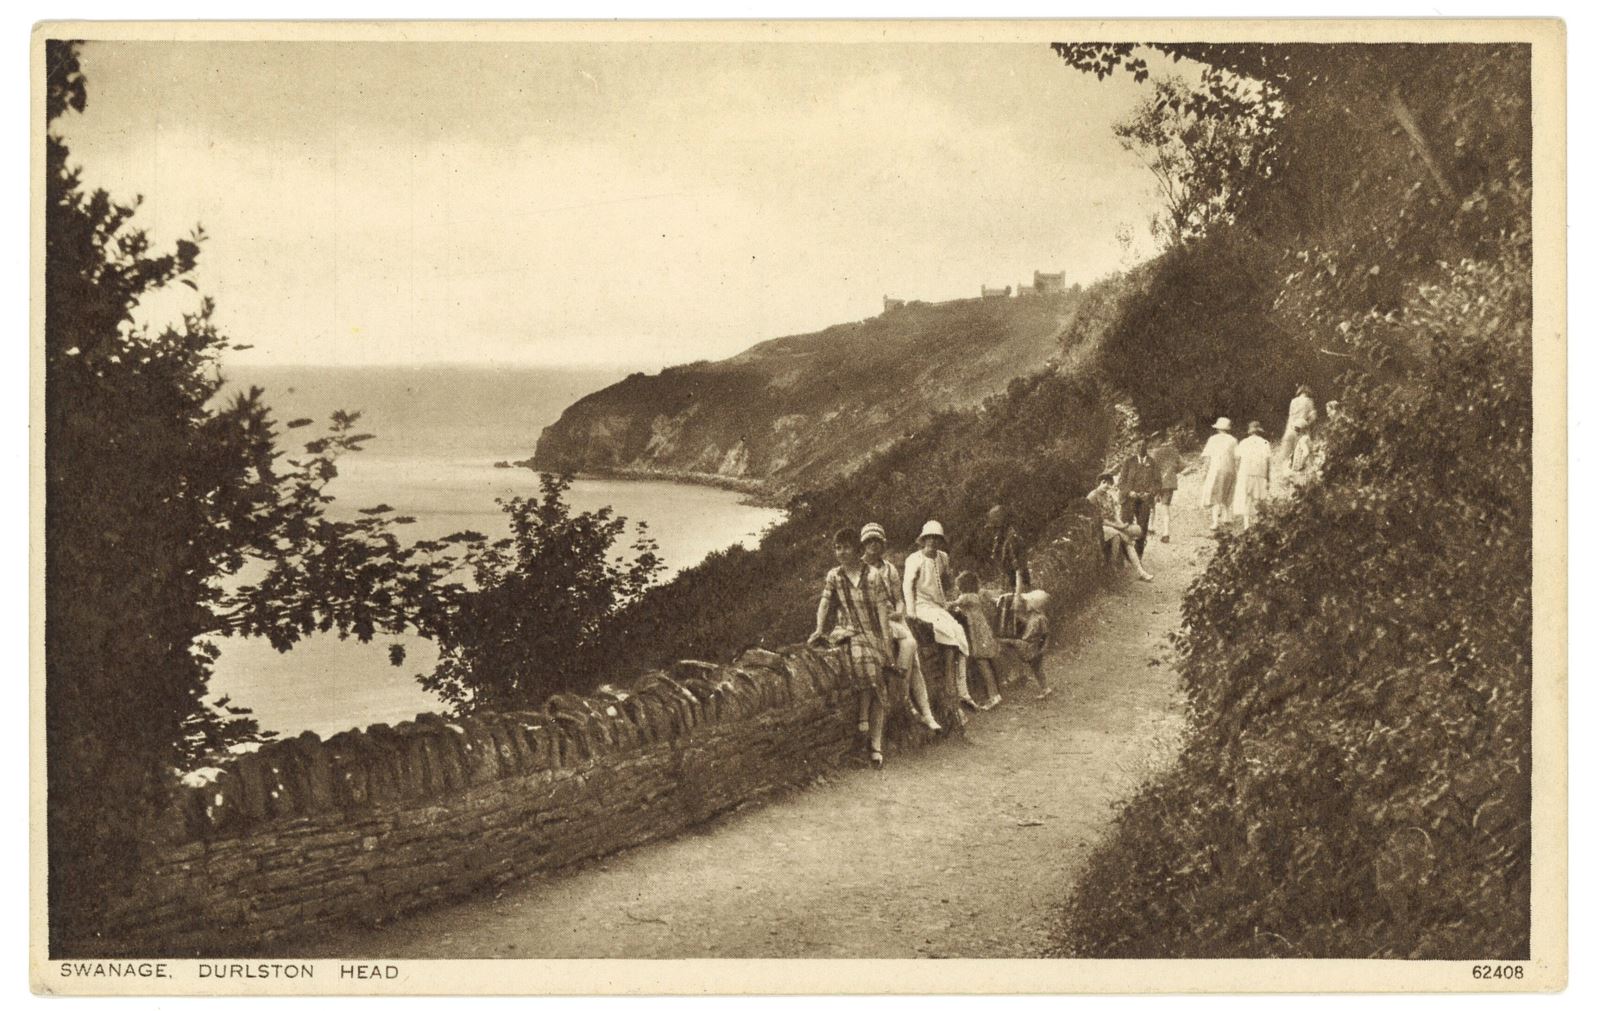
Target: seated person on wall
[904,643]
[854,600]
[1117,534]
[929,587]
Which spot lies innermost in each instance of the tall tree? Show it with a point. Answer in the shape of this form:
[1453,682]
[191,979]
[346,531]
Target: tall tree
[1201,162]
[174,515]
[157,492]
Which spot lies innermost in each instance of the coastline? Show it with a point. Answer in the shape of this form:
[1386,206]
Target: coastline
[756,492]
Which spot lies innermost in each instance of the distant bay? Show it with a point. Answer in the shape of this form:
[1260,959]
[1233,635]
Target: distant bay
[439,431]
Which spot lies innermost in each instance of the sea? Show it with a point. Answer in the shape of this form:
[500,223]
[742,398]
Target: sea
[438,433]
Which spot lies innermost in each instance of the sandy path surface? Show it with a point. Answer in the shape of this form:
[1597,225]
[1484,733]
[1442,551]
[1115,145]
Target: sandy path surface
[960,850]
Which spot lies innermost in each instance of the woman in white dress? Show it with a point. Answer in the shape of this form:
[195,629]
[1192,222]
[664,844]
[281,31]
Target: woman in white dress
[929,586]
[1254,481]
[1217,491]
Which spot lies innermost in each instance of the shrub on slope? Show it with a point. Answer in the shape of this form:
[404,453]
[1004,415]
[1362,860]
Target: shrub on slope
[1359,665]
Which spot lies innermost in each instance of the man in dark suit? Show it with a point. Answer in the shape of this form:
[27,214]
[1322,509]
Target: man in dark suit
[1139,481]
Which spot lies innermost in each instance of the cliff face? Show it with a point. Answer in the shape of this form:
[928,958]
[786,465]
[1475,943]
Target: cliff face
[796,411]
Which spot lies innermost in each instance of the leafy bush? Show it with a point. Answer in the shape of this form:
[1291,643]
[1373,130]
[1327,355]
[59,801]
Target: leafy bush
[1359,666]
[534,620]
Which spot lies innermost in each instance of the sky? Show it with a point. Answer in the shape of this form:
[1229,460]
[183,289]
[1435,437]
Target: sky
[582,203]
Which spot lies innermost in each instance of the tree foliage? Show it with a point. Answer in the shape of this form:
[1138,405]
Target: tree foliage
[1201,318]
[1202,159]
[174,515]
[534,621]
[1368,166]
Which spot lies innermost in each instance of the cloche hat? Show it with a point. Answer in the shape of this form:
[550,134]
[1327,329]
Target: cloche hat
[872,530]
[932,528]
[1223,425]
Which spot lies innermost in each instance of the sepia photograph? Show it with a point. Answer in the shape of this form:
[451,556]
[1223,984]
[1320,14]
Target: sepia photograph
[760,503]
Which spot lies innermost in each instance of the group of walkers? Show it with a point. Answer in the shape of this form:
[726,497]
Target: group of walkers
[1239,471]
[880,617]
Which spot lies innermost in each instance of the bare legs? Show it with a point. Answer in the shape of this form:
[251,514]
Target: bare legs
[1138,563]
[1221,515]
[991,687]
[1036,667]
[955,673]
[870,710]
[911,664]
[1033,658]
[1163,517]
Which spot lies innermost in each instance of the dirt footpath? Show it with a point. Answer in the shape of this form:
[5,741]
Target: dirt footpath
[959,850]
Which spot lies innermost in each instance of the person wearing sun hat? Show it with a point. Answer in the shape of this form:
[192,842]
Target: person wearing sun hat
[873,542]
[1254,481]
[928,588]
[853,600]
[1221,463]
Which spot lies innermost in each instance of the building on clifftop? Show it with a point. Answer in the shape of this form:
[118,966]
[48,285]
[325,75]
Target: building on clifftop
[1050,284]
[988,292]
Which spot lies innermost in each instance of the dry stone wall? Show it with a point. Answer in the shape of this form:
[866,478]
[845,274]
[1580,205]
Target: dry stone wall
[369,824]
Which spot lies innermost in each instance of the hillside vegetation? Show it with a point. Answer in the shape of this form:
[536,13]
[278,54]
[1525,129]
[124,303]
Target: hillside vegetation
[1357,778]
[797,411]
